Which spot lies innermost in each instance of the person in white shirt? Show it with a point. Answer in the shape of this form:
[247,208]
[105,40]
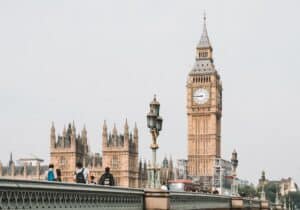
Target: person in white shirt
[164,187]
[81,174]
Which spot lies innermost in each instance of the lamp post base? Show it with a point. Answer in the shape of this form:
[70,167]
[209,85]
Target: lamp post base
[153,178]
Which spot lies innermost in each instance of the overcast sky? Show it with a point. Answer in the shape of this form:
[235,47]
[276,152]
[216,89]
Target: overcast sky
[91,61]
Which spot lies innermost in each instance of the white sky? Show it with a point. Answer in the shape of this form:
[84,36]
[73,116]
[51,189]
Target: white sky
[89,61]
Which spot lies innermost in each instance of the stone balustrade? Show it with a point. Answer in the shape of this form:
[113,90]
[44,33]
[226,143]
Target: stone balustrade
[17,194]
[20,194]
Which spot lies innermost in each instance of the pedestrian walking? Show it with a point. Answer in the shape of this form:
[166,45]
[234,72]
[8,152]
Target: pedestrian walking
[81,174]
[58,175]
[107,178]
[50,174]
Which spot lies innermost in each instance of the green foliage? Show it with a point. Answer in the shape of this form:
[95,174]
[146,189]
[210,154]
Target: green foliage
[270,190]
[294,197]
[247,191]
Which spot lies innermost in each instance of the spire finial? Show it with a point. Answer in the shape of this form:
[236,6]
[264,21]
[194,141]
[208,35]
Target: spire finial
[204,16]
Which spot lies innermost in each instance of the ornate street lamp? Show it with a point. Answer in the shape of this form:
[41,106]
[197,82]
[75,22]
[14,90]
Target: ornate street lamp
[154,123]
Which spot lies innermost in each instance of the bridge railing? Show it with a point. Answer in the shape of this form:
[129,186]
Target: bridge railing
[20,194]
[182,201]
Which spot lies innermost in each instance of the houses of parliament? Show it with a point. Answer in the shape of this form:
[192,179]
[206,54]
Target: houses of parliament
[120,150]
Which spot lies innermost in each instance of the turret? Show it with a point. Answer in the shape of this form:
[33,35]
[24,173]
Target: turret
[64,136]
[84,136]
[165,163]
[145,169]
[114,135]
[85,145]
[171,163]
[73,136]
[64,133]
[52,136]
[136,137]
[104,135]
[126,135]
[73,129]
[10,160]
[171,168]
[115,131]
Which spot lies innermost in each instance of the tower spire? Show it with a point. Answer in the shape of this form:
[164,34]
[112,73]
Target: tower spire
[204,40]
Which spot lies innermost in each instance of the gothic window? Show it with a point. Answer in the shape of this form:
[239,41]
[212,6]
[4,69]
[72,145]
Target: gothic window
[62,162]
[114,162]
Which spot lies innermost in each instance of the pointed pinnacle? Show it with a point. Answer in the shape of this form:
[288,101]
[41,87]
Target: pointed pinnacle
[115,129]
[104,124]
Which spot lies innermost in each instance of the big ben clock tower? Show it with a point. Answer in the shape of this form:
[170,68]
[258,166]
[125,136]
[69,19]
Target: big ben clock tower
[204,111]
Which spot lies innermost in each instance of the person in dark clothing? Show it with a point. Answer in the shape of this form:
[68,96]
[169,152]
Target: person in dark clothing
[93,180]
[81,174]
[58,174]
[107,178]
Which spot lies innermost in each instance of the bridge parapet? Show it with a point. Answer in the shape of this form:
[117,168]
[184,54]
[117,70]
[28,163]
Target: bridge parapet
[163,200]
[186,201]
[18,194]
[21,194]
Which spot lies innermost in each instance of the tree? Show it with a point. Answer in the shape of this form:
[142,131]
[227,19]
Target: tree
[247,191]
[270,190]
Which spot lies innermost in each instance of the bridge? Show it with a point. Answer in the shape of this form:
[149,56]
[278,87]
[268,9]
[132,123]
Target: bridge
[21,194]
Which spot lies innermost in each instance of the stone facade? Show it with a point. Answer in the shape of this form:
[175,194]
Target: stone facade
[67,149]
[204,111]
[119,152]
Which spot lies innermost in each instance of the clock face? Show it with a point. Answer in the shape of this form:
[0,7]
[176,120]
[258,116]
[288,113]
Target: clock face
[201,96]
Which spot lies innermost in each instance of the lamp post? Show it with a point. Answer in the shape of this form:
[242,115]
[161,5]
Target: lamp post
[154,123]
